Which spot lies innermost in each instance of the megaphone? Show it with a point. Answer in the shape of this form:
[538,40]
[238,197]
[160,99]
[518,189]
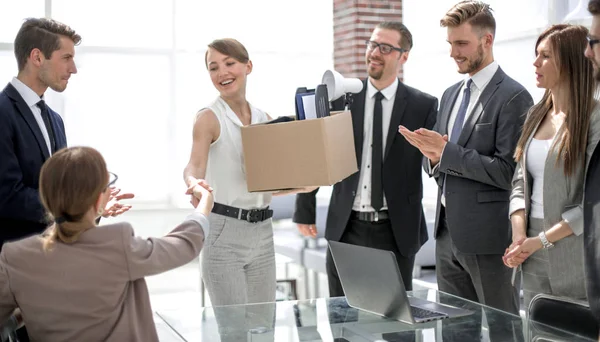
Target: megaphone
[338,85]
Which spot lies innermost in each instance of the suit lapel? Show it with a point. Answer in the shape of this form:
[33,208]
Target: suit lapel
[358,121]
[447,108]
[489,90]
[397,114]
[27,115]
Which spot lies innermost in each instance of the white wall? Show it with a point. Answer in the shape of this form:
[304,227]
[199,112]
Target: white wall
[518,24]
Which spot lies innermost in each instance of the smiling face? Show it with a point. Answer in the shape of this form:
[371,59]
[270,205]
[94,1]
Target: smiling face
[385,67]
[546,71]
[55,71]
[469,48]
[227,74]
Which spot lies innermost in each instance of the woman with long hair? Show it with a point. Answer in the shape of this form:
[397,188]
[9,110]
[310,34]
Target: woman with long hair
[551,155]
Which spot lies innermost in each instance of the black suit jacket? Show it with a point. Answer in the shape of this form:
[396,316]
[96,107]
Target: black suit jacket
[591,231]
[402,181]
[479,167]
[23,151]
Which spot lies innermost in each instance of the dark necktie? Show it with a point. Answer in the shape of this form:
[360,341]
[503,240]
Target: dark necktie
[460,119]
[462,113]
[46,117]
[377,155]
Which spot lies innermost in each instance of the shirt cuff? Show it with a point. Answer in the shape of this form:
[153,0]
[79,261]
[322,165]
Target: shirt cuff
[202,220]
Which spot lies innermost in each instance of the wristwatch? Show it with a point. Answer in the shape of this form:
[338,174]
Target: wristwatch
[545,243]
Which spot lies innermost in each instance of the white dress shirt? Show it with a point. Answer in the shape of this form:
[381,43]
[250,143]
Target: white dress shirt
[31,98]
[480,81]
[362,201]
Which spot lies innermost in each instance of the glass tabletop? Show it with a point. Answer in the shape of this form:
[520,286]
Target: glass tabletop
[332,319]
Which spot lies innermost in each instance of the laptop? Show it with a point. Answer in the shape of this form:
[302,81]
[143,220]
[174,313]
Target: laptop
[372,282]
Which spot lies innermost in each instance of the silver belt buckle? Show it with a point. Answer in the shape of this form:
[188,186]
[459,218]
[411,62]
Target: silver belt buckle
[376,216]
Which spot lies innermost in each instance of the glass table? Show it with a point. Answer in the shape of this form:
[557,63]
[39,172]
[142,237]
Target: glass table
[331,319]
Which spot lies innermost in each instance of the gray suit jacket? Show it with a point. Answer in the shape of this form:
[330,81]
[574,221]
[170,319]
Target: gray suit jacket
[478,168]
[93,289]
[562,201]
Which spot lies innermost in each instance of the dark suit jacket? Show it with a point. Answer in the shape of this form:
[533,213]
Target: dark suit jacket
[591,224]
[479,167]
[402,183]
[23,150]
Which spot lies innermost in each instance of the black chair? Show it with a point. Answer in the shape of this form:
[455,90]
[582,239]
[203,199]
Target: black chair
[547,312]
[8,329]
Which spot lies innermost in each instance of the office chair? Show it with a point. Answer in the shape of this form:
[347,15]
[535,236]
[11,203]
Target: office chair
[570,315]
[8,329]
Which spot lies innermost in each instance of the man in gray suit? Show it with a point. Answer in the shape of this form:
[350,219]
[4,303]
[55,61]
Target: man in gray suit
[470,153]
[591,196]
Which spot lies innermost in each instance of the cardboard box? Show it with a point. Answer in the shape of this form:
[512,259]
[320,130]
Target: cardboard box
[295,154]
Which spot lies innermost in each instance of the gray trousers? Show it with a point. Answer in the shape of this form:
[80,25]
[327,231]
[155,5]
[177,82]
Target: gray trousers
[477,277]
[238,267]
[536,268]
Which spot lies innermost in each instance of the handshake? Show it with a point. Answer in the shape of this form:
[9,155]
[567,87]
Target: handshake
[202,196]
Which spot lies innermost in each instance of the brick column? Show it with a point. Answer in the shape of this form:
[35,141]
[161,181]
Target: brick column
[353,22]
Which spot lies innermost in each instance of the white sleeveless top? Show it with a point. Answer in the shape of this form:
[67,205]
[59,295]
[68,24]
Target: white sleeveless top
[537,152]
[225,171]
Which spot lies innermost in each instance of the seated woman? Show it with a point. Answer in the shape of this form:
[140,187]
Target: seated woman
[80,282]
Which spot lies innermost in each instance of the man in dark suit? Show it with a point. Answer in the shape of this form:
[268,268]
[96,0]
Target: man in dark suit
[30,131]
[470,153]
[591,196]
[380,206]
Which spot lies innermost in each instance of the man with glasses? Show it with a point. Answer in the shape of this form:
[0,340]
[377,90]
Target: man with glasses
[380,206]
[591,196]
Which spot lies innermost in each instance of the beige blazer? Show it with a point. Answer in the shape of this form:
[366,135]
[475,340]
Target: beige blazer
[562,201]
[93,289]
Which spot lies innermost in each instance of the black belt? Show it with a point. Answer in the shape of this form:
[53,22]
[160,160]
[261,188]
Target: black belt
[252,215]
[372,216]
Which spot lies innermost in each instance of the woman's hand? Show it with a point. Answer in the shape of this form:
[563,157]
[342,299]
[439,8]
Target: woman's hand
[201,194]
[520,250]
[195,200]
[295,191]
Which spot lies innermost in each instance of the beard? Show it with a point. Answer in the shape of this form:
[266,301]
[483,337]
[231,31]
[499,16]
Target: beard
[596,72]
[475,63]
[375,74]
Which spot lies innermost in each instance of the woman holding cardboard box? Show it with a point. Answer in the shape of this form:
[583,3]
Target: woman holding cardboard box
[238,264]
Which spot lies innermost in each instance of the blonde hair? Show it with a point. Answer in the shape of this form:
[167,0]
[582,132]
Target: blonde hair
[70,183]
[478,14]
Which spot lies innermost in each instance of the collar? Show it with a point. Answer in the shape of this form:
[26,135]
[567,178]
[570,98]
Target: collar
[30,97]
[388,92]
[484,76]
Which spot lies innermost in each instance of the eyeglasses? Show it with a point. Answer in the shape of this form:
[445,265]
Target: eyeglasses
[112,179]
[383,47]
[592,41]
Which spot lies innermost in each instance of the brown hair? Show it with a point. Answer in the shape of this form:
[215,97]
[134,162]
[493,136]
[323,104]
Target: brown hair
[406,41]
[70,183]
[594,7]
[43,34]
[575,70]
[478,14]
[229,47]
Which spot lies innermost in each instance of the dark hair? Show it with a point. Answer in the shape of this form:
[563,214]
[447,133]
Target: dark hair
[406,41]
[229,47]
[594,7]
[566,42]
[478,14]
[43,34]
[70,183]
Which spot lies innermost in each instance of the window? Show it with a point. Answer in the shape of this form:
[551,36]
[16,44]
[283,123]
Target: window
[142,78]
